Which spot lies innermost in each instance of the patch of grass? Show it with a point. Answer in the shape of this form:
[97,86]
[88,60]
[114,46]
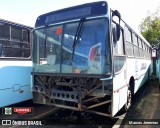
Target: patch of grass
[153,76]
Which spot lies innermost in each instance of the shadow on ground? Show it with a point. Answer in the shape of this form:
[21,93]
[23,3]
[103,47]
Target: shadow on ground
[145,107]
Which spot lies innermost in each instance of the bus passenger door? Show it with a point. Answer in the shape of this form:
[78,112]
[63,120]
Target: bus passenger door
[119,96]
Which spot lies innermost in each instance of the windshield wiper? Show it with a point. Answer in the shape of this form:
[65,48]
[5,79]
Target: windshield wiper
[77,35]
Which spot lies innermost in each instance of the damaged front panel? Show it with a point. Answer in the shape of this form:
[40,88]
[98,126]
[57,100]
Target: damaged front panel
[71,92]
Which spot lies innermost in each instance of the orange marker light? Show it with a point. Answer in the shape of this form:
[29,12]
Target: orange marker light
[59,31]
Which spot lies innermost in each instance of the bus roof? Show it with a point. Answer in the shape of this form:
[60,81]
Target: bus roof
[74,12]
[3,21]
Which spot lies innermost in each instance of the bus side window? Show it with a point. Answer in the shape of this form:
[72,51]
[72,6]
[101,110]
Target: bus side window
[136,45]
[119,57]
[129,44]
[118,47]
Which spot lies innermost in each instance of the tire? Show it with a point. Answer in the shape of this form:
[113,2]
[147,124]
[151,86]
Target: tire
[129,101]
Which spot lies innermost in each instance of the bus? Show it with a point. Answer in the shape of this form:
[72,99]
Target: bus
[15,63]
[86,58]
[158,62]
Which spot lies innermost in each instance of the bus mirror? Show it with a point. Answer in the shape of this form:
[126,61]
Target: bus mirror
[114,35]
[116,13]
[118,30]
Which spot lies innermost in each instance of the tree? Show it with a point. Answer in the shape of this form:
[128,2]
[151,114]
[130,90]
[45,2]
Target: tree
[150,27]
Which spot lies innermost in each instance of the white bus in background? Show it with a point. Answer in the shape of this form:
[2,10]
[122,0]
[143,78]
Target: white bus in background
[158,62]
[15,63]
[84,59]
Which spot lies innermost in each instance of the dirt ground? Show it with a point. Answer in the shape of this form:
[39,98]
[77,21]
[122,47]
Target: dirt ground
[145,107]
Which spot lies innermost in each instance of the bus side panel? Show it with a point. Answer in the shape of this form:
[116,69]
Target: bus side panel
[157,69]
[143,73]
[151,67]
[158,65]
[119,96]
[15,83]
[8,96]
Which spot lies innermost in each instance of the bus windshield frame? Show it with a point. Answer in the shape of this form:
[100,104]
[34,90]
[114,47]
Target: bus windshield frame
[64,36]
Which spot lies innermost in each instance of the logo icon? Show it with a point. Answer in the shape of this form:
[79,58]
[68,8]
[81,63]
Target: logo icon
[6,122]
[8,111]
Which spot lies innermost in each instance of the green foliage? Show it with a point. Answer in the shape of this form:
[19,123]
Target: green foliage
[150,27]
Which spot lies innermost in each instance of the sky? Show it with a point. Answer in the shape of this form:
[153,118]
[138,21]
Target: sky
[26,11]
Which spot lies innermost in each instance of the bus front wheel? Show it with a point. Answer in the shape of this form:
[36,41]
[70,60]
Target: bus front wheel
[129,100]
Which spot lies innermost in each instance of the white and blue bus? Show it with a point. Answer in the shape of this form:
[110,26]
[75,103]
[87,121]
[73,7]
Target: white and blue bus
[158,62]
[84,59]
[15,63]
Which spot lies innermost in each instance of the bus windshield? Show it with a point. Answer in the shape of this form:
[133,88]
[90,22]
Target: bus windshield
[54,45]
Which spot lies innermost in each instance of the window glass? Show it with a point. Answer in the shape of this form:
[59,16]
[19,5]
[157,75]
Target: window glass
[129,44]
[11,41]
[140,42]
[118,51]
[136,51]
[89,48]
[4,31]
[25,35]
[16,33]
[128,35]
[129,49]
[144,48]
[118,47]
[135,39]
[118,63]
[63,49]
